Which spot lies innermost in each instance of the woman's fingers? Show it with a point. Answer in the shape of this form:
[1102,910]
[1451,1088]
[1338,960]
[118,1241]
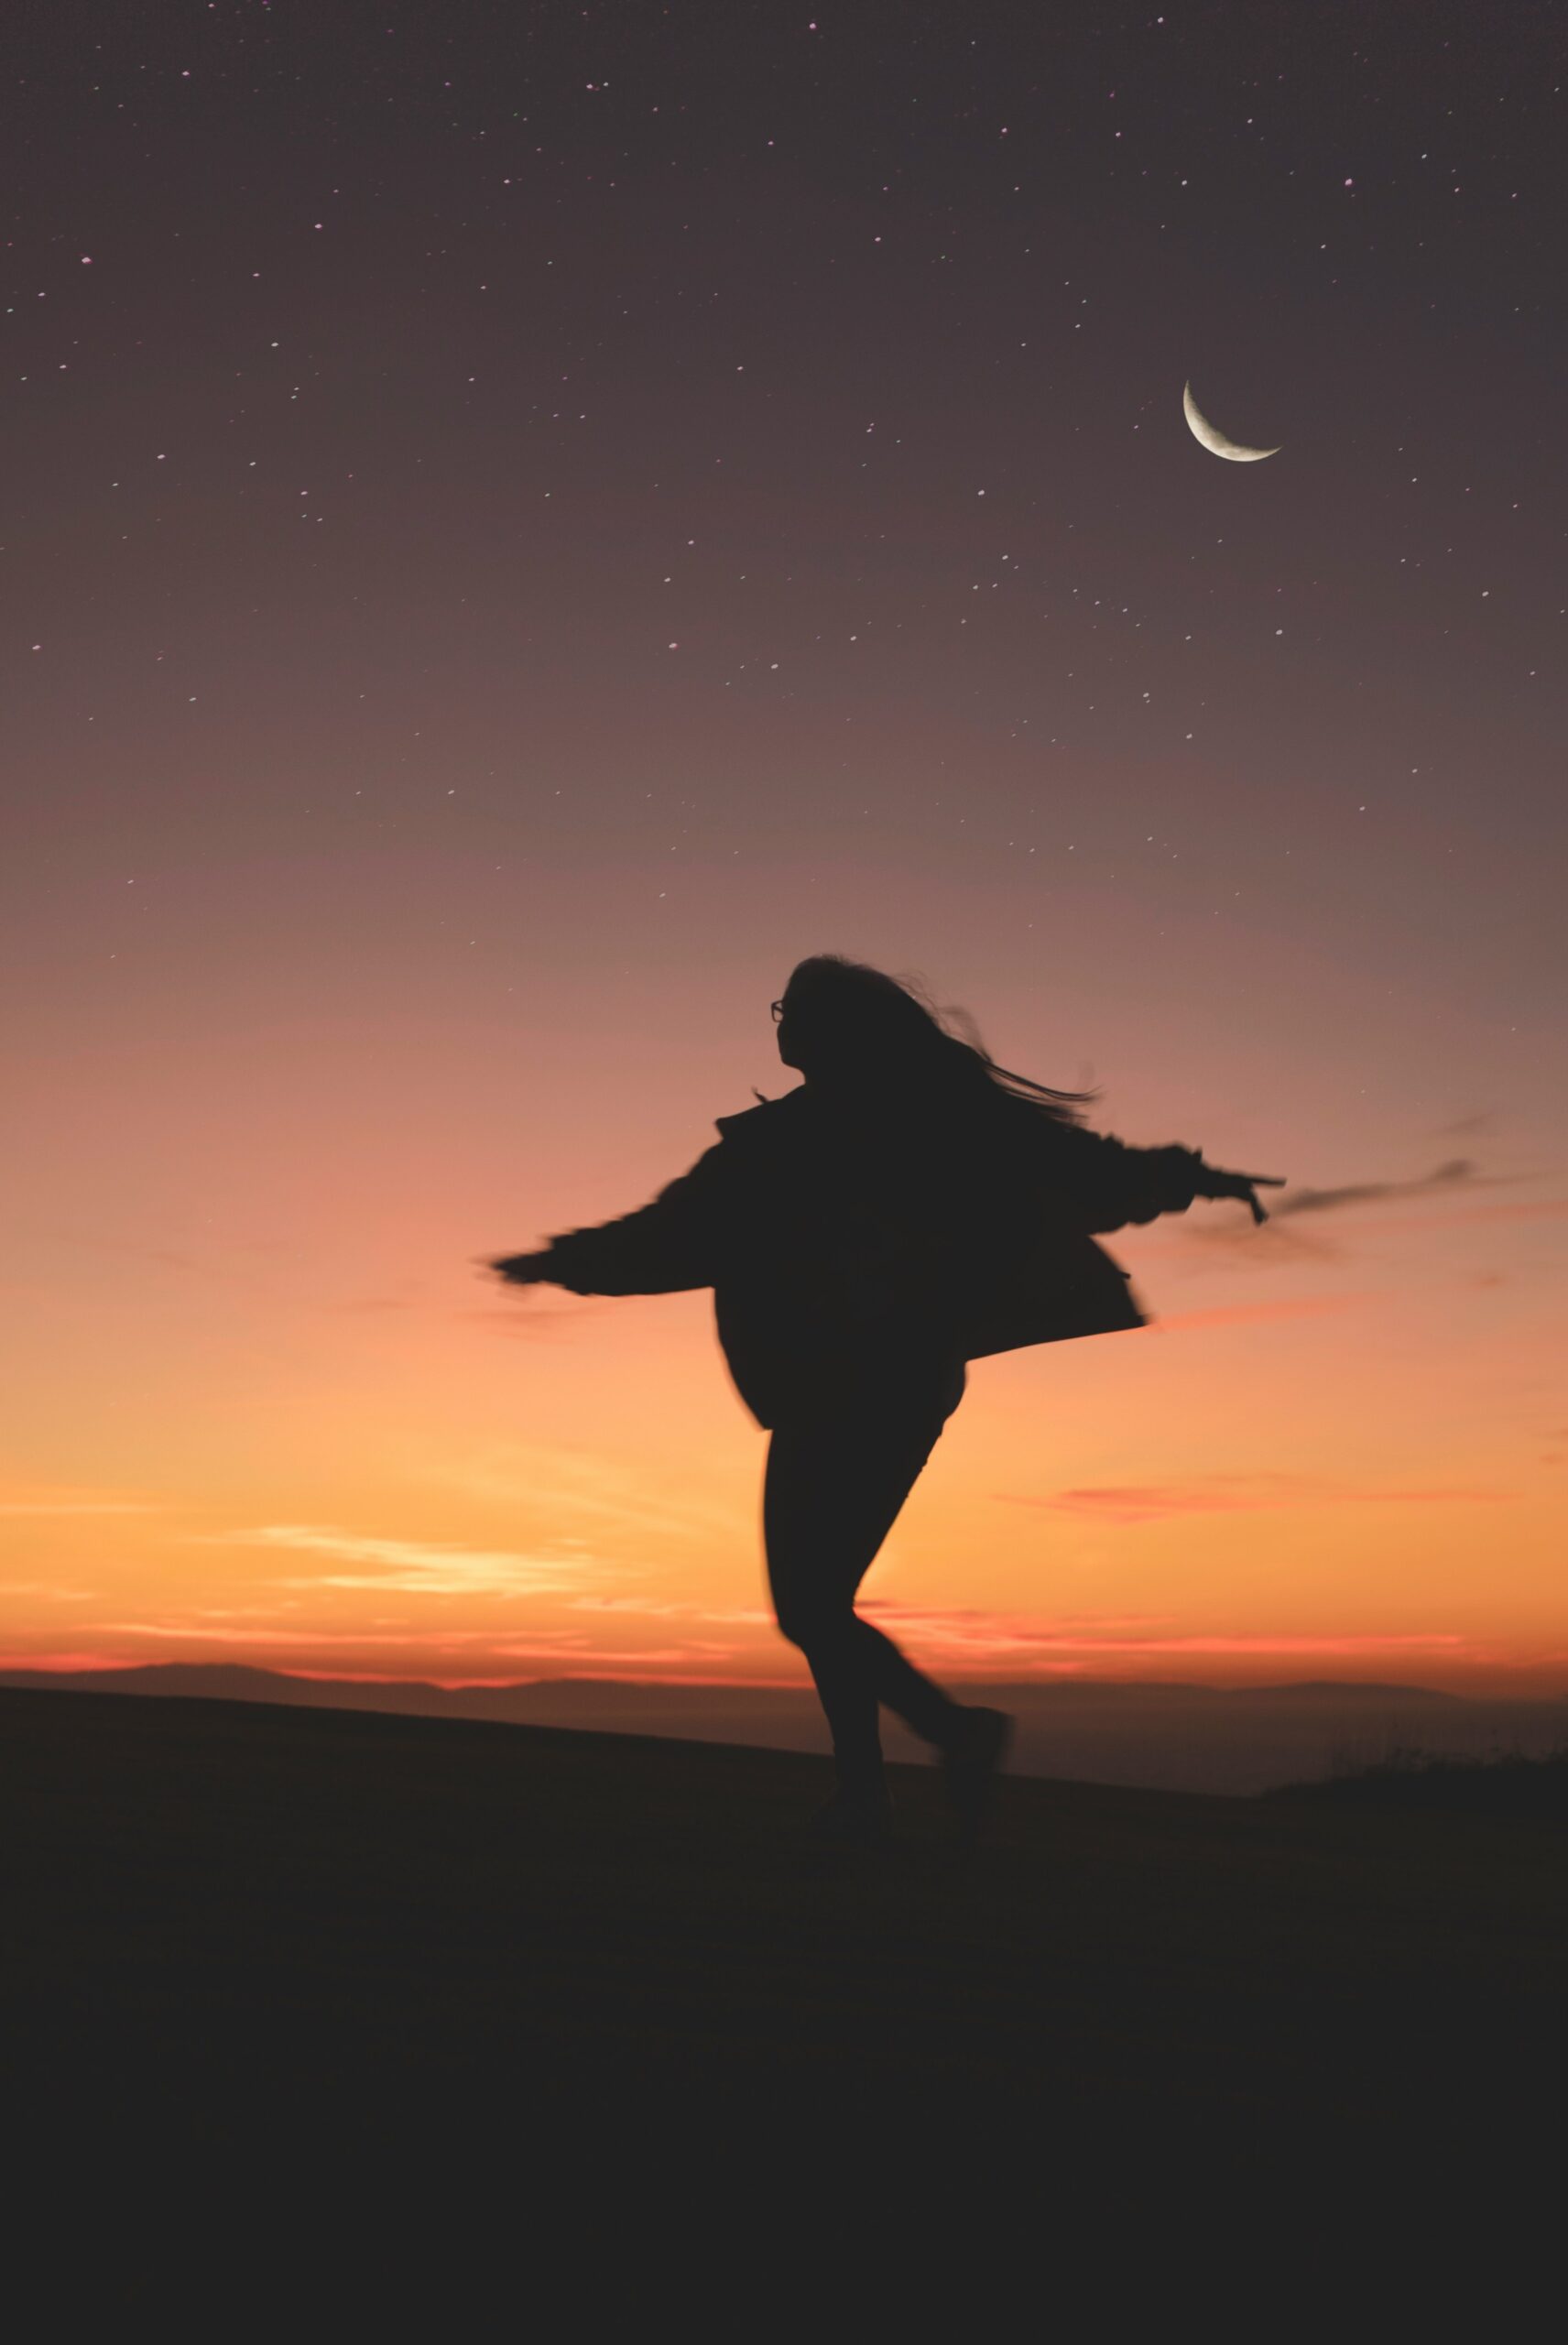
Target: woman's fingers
[1244,1186]
[510,1266]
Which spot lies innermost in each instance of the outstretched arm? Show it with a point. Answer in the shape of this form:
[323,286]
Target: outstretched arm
[1115,1185]
[662,1248]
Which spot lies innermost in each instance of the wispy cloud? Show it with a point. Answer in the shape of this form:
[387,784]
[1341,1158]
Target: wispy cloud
[509,1316]
[193,1628]
[564,1482]
[410,1566]
[639,1606]
[407,1294]
[65,1497]
[45,1592]
[1233,1494]
[1459,1172]
[1025,1637]
[746,1615]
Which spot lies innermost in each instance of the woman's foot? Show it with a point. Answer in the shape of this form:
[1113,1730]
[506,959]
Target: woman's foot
[854,1819]
[971,1762]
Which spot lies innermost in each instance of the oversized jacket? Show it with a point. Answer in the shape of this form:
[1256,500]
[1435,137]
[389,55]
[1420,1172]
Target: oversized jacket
[844,1245]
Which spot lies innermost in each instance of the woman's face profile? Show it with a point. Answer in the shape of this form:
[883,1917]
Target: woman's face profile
[785,1036]
[806,1037]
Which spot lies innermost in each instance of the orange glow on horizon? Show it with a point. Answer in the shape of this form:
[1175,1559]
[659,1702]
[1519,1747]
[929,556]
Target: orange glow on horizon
[338,1507]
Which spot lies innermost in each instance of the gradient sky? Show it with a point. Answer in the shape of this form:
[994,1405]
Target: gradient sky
[525,521]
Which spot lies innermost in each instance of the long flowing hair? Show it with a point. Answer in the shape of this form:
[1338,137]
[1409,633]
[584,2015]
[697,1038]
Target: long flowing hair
[886,1033]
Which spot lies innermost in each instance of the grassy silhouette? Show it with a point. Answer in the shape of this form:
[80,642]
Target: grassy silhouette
[1494,1783]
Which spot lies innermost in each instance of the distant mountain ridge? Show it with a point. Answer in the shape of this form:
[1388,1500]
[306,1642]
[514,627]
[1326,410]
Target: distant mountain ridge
[1165,1734]
[232,1680]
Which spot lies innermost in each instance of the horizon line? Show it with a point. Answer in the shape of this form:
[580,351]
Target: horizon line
[75,1667]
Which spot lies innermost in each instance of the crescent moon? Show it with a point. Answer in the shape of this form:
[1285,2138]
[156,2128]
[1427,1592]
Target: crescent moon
[1216,442]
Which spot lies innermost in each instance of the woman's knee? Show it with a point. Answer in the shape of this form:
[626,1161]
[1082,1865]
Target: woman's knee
[797,1623]
[808,1618]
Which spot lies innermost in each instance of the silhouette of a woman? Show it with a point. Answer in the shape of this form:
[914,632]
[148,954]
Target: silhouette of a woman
[909,1207]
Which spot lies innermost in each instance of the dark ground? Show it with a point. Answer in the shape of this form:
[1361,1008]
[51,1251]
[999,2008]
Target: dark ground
[247,1942]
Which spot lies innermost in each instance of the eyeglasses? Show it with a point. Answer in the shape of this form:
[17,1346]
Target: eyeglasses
[777,1010]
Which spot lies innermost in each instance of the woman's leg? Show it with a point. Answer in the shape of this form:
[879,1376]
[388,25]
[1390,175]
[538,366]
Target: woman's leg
[833,1490]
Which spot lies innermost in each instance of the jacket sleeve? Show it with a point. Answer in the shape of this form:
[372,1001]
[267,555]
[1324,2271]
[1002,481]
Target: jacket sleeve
[662,1248]
[1113,1184]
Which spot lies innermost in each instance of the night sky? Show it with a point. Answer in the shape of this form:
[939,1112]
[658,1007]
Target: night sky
[522,523]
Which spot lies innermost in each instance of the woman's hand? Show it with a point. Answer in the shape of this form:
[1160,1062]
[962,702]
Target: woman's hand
[516,1269]
[1241,1185]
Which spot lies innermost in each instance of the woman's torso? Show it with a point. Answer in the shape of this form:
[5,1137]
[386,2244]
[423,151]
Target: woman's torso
[862,1235]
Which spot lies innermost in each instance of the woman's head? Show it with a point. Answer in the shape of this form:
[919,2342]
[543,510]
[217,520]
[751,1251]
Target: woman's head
[856,1032]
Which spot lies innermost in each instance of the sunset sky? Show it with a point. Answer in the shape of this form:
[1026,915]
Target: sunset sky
[524,522]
